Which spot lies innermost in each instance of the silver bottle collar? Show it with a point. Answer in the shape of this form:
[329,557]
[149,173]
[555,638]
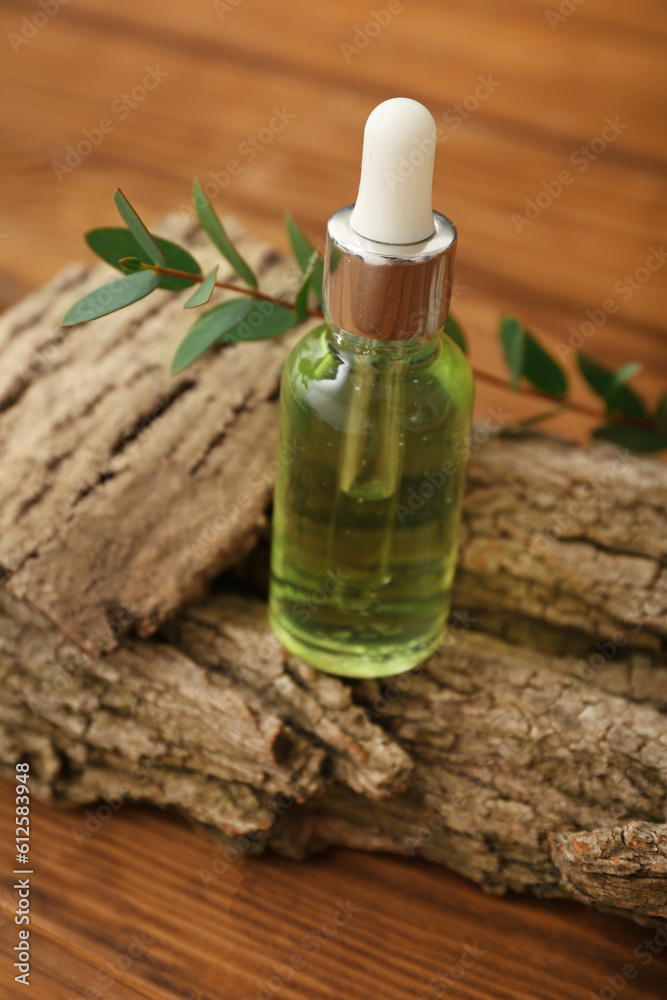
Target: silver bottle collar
[384,291]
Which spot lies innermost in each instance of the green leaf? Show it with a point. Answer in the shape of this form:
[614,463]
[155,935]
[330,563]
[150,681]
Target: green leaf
[634,438]
[601,380]
[111,297]
[598,378]
[138,229]
[526,358]
[230,322]
[455,333]
[214,229]
[202,294]
[541,369]
[303,250]
[661,414]
[130,264]
[301,303]
[513,339]
[209,328]
[115,243]
[618,381]
[267,320]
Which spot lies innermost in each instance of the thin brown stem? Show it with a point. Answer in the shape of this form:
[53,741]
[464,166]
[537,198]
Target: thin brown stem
[245,290]
[483,376]
[536,418]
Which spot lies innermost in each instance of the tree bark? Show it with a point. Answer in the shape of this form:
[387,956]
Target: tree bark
[529,753]
[124,489]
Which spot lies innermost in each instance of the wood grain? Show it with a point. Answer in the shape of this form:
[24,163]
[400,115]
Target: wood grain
[557,87]
[139,874]
[566,262]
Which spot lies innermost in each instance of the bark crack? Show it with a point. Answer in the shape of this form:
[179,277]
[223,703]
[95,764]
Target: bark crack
[145,421]
[235,415]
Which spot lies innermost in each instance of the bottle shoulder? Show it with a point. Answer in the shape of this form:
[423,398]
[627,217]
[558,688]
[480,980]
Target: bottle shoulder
[439,377]
[459,369]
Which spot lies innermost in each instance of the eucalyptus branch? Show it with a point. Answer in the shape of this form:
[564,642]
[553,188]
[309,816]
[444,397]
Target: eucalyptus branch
[536,418]
[252,293]
[148,262]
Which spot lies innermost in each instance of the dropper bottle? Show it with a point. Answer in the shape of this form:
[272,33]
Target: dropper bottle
[375,425]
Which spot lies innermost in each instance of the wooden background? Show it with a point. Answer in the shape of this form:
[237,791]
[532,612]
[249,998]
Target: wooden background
[554,80]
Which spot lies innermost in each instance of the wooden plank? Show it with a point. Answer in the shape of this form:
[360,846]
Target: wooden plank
[626,334]
[59,972]
[515,41]
[557,87]
[572,255]
[139,873]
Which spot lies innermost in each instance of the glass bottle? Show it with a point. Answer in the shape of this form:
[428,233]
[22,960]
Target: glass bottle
[374,429]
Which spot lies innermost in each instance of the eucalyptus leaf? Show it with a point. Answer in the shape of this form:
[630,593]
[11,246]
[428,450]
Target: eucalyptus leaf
[230,322]
[138,229]
[209,328]
[526,358]
[111,297]
[536,418]
[618,381]
[130,264]
[541,369]
[301,303]
[303,251]
[202,294]
[455,333]
[634,438]
[513,339]
[660,418]
[625,400]
[267,320]
[114,243]
[215,231]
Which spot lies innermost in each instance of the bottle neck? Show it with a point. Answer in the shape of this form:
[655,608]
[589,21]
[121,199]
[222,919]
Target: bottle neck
[413,351]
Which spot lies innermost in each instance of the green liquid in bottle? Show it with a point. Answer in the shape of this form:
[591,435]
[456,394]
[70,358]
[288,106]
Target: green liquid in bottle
[374,438]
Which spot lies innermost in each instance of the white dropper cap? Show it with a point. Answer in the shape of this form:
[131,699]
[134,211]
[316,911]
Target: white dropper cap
[394,204]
